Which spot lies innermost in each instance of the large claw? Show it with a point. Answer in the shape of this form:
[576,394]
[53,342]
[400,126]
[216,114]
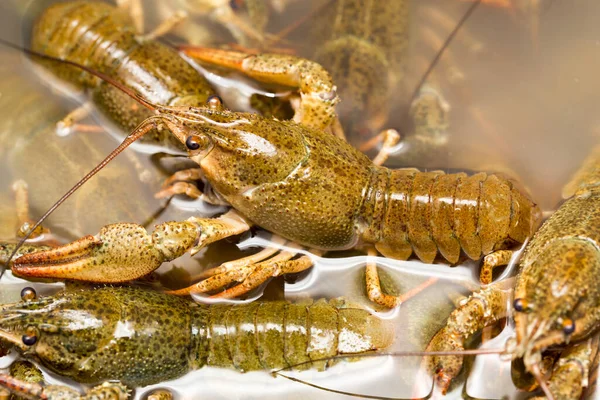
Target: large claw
[445,368]
[317,91]
[120,252]
[124,252]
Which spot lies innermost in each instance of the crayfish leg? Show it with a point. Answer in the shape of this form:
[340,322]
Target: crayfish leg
[249,273]
[491,261]
[389,138]
[182,182]
[22,209]
[375,293]
[71,120]
[481,309]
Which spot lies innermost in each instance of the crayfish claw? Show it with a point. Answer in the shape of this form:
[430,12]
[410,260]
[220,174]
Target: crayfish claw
[318,93]
[107,390]
[119,253]
[124,252]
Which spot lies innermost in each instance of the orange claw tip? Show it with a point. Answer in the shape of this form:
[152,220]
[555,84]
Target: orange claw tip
[442,381]
[69,270]
[62,262]
[72,250]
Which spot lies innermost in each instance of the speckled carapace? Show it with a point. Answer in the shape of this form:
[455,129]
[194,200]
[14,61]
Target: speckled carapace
[140,337]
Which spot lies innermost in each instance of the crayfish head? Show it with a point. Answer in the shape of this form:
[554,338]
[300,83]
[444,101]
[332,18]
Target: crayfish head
[246,150]
[61,331]
[556,299]
[100,333]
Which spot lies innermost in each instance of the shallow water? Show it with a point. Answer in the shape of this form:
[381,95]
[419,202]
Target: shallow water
[524,106]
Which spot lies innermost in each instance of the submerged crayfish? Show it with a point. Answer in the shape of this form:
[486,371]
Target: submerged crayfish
[139,337]
[273,173]
[556,301]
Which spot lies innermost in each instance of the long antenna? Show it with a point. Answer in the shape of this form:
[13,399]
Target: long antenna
[363,396]
[296,24]
[397,354]
[382,354]
[136,96]
[140,131]
[449,39]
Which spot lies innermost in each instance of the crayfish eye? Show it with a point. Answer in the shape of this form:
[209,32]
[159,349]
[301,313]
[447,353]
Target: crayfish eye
[193,142]
[520,305]
[568,326]
[214,102]
[30,337]
[28,293]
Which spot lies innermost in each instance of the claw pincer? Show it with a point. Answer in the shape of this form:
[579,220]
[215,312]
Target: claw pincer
[119,253]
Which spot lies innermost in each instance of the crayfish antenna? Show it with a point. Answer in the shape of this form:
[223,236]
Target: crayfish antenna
[382,354]
[140,131]
[350,394]
[278,37]
[135,96]
[442,49]
[396,354]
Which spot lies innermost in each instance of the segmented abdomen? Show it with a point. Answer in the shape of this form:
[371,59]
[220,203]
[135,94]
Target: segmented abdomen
[92,34]
[272,335]
[429,211]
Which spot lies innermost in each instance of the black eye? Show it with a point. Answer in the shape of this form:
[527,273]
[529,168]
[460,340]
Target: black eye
[28,293]
[192,142]
[214,102]
[29,340]
[568,326]
[520,305]
[30,336]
